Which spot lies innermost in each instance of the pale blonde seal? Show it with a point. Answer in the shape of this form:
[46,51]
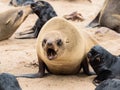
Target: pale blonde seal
[62,48]
[11,19]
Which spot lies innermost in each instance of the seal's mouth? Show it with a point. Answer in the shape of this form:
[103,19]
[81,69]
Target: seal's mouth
[51,53]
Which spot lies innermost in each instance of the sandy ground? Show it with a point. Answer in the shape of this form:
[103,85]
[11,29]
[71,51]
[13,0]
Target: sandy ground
[18,56]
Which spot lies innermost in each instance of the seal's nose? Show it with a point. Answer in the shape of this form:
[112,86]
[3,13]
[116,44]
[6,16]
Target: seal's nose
[49,44]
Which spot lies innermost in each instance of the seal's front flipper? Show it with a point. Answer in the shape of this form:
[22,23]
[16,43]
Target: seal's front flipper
[36,75]
[40,73]
[85,67]
[95,22]
[103,76]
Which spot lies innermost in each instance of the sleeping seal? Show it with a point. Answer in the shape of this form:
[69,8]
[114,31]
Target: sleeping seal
[10,20]
[109,16]
[62,48]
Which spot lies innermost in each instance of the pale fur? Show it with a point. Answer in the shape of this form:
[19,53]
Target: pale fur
[8,24]
[78,44]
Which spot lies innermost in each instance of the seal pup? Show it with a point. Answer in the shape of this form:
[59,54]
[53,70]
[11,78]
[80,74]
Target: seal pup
[8,82]
[62,48]
[109,16]
[11,19]
[44,11]
[104,64]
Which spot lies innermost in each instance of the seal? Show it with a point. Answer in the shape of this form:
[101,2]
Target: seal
[20,2]
[62,48]
[104,64]
[10,20]
[8,82]
[109,84]
[108,17]
[45,12]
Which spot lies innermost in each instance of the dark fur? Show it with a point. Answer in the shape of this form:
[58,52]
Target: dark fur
[104,63]
[44,12]
[20,2]
[106,16]
[110,84]
[8,82]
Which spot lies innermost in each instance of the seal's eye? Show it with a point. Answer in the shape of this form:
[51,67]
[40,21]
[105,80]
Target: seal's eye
[98,59]
[59,42]
[44,42]
[20,13]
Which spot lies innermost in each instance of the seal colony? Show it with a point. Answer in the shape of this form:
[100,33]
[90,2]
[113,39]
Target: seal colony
[109,16]
[62,48]
[10,20]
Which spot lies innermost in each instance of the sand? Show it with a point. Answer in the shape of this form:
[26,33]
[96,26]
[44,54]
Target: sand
[18,56]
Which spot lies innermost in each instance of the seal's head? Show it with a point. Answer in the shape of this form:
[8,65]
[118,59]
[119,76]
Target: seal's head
[97,60]
[53,46]
[58,39]
[17,16]
[10,20]
[100,60]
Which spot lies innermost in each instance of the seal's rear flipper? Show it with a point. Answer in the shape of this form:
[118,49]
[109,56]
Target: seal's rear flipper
[36,75]
[26,36]
[26,32]
[95,22]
